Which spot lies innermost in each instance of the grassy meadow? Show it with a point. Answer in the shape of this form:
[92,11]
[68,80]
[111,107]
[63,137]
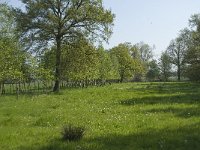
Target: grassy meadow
[128,116]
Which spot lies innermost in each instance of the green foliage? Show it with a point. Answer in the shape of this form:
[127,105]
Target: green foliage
[127,65]
[10,60]
[143,53]
[193,72]
[11,56]
[184,50]
[108,65]
[80,60]
[59,22]
[35,70]
[7,26]
[153,71]
[177,51]
[192,57]
[48,59]
[120,116]
[165,66]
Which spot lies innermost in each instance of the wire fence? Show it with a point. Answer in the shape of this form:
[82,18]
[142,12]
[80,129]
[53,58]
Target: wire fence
[34,87]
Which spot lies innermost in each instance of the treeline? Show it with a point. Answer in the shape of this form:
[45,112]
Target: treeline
[80,61]
[32,50]
[182,57]
[83,61]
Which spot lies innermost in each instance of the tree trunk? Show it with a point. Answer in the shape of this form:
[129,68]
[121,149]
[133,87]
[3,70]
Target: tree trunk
[58,63]
[3,91]
[165,75]
[179,65]
[122,77]
[0,88]
[179,73]
[179,69]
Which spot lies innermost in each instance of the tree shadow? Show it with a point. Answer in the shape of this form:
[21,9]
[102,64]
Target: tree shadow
[169,93]
[51,144]
[179,112]
[180,99]
[183,138]
[187,137]
[167,88]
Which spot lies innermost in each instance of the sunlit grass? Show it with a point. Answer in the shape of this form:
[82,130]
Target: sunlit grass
[119,116]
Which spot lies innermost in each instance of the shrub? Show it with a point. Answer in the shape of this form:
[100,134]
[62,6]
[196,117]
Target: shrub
[72,133]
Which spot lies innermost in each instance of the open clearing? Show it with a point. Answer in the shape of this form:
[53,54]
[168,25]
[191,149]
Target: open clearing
[127,116]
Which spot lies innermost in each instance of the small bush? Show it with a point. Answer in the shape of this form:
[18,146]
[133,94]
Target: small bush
[72,133]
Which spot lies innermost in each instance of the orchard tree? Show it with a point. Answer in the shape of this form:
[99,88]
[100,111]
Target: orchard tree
[192,57]
[47,22]
[144,53]
[135,52]
[127,65]
[153,71]
[11,59]
[177,51]
[79,61]
[107,65]
[11,56]
[7,22]
[165,66]
[193,61]
[47,60]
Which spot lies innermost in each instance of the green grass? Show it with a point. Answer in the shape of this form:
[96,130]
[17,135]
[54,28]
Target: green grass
[131,116]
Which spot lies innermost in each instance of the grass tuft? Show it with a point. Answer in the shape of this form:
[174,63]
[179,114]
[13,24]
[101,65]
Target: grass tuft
[72,133]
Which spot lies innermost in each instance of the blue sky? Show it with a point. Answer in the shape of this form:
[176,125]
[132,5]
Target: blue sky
[152,21]
[155,22]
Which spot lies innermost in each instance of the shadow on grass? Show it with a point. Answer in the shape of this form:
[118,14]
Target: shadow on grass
[182,98]
[179,112]
[183,138]
[167,88]
[26,94]
[169,93]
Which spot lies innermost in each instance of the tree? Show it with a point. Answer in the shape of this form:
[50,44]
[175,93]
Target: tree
[145,51]
[11,56]
[165,66]
[142,52]
[153,71]
[47,60]
[127,65]
[107,67]
[7,22]
[57,21]
[80,61]
[10,60]
[177,50]
[192,57]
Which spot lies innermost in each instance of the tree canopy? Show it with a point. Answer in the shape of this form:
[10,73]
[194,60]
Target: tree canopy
[11,56]
[47,22]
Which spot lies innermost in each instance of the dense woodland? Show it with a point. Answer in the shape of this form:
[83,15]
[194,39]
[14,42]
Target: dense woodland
[61,41]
